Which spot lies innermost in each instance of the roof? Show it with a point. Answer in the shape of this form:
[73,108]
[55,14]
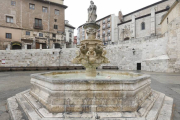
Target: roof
[96,20]
[145,7]
[68,25]
[171,8]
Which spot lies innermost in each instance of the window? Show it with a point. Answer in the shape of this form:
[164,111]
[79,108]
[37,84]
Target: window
[55,20]
[9,35]
[109,19]
[56,12]
[28,46]
[54,35]
[31,6]
[109,25]
[55,26]
[104,32]
[27,33]
[45,9]
[38,23]
[9,19]
[70,35]
[104,27]
[143,26]
[13,3]
[40,35]
[104,21]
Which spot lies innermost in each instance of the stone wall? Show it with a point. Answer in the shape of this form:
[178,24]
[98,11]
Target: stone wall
[119,55]
[23,58]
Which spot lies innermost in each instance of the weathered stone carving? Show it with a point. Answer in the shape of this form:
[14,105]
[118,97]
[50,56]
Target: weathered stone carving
[91,53]
[92,13]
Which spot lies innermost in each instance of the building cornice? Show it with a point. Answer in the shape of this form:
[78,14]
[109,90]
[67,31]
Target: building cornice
[28,29]
[49,2]
[70,26]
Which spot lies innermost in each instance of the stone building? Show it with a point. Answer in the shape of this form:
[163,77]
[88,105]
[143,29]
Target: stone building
[143,22]
[108,31]
[31,24]
[69,34]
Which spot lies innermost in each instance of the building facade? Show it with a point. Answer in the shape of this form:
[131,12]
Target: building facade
[143,22]
[108,31]
[31,24]
[69,35]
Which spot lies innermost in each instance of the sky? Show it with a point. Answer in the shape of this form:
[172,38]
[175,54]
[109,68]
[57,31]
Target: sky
[76,13]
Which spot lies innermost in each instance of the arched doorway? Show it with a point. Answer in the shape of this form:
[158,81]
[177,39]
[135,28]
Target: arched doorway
[16,45]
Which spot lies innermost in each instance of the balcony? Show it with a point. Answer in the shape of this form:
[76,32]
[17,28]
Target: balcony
[109,25]
[104,27]
[38,26]
[109,32]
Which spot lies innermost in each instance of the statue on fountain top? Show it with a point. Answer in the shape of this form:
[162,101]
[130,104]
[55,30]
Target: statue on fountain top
[92,16]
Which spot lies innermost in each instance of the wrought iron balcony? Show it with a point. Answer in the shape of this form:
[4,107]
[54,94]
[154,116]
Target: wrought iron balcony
[38,26]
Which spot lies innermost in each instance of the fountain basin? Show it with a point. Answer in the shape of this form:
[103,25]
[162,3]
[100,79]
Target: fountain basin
[72,91]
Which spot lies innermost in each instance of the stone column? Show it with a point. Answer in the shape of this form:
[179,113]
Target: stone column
[40,46]
[153,22]
[8,47]
[25,46]
[34,43]
[64,45]
[53,45]
[133,27]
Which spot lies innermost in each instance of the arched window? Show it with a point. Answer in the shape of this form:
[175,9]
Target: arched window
[143,26]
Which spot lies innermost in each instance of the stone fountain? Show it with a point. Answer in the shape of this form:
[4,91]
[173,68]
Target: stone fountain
[90,94]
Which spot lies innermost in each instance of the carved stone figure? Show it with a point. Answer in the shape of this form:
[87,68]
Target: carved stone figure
[105,60]
[92,13]
[92,55]
[83,49]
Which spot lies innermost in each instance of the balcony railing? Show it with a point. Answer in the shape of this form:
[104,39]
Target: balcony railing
[38,26]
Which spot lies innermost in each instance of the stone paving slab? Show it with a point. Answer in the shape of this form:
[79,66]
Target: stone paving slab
[166,111]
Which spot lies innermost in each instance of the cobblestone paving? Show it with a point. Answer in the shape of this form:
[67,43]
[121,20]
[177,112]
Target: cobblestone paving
[12,83]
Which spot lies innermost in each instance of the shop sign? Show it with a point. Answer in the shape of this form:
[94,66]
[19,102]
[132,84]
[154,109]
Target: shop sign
[16,43]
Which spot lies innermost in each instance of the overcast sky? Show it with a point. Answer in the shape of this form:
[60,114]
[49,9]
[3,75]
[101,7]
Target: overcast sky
[76,13]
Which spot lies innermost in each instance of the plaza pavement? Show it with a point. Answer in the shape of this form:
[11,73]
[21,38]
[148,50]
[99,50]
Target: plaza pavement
[12,83]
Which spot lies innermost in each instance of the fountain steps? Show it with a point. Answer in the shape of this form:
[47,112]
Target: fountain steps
[156,107]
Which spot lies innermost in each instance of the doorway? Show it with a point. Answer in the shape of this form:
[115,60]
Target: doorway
[138,66]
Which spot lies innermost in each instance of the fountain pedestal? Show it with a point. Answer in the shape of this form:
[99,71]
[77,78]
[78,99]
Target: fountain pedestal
[70,95]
